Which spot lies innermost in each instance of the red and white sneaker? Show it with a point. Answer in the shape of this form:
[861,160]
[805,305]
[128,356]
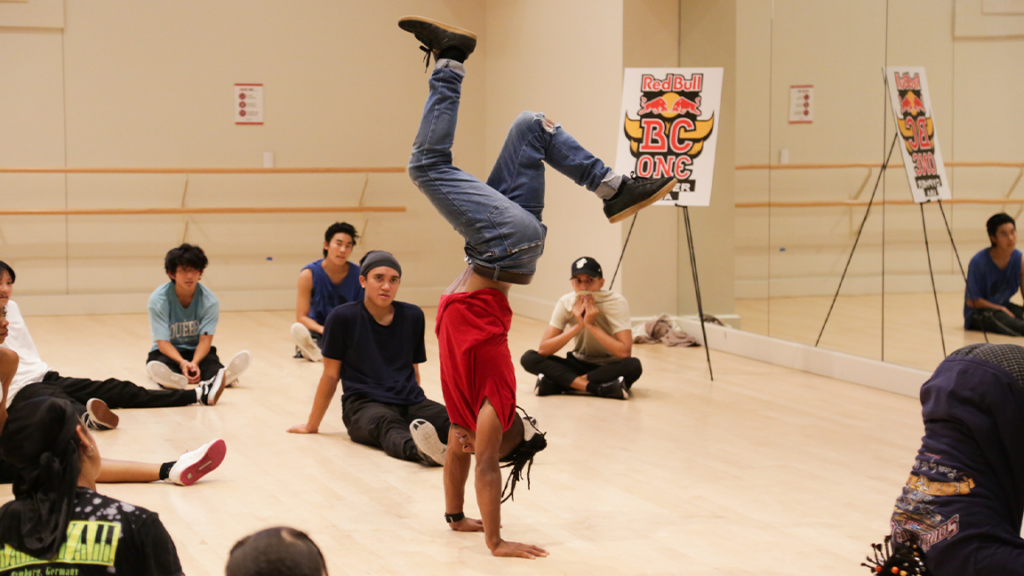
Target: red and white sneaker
[198,463]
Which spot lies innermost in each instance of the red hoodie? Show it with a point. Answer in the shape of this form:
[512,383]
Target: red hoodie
[472,330]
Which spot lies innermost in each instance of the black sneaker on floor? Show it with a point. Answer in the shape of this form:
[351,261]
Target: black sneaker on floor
[546,387]
[614,389]
[634,195]
[436,36]
[98,416]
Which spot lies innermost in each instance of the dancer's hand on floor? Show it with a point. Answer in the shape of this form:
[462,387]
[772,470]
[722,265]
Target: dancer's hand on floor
[303,429]
[516,550]
[467,525]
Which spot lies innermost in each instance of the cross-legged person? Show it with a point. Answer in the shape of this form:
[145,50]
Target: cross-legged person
[323,286]
[183,317]
[994,275]
[95,398]
[375,348]
[501,223]
[601,362]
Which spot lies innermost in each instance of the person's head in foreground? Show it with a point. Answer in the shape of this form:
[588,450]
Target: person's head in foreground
[519,444]
[380,274]
[54,453]
[185,264]
[1002,231]
[279,551]
[586,275]
[339,240]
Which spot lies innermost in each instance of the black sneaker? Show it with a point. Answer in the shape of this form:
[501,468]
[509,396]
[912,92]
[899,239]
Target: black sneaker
[546,387]
[436,36]
[614,389]
[634,195]
[98,416]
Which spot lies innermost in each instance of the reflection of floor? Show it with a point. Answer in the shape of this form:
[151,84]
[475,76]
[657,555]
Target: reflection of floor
[687,477]
[911,328]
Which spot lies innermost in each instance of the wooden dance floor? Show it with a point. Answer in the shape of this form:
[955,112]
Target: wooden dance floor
[765,471]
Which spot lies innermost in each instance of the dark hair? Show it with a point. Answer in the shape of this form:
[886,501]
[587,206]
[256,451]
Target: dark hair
[996,221]
[340,228]
[276,551]
[41,441]
[520,459]
[5,267]
[187,256]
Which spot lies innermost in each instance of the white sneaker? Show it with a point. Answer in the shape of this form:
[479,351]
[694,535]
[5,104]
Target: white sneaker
[198,463]
[427,443]
[304,340]
[209,392]
[99,416]
[163,375]
[239,363]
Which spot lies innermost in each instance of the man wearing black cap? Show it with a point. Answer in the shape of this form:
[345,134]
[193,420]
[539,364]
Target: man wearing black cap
[374,347]
[601,362]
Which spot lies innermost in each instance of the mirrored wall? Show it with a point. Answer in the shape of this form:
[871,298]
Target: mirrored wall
[815,127]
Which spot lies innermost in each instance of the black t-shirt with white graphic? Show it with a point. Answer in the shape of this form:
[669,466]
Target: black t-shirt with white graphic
[105,536]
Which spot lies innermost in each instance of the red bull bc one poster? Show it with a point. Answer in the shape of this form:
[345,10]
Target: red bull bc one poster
[912,109]
[670,121]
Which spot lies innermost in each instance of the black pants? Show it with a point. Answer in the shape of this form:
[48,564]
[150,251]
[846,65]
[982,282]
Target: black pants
[563,371]
[998,322]
[386,426]
[208,368]
[116,393]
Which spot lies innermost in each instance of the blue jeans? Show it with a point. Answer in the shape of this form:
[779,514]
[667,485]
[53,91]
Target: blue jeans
[500,220]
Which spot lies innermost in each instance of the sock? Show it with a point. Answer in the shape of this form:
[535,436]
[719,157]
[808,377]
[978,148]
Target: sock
[165,470]
[199,393]
[452,53]
[609,186]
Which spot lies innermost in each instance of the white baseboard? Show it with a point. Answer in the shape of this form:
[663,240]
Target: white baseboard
[845,367]
[852,286]
[230,301]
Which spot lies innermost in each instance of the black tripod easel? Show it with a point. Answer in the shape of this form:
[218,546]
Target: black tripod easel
[693,268]
[927,249]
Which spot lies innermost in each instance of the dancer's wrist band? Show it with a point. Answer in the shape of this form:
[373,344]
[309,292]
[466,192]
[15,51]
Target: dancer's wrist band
[452,518]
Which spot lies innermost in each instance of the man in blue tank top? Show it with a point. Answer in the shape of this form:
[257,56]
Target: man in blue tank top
[323,286]
[993,277]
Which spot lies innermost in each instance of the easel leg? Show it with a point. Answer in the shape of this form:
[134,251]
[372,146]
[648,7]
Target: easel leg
[935,292]
[957,253]
[696,288]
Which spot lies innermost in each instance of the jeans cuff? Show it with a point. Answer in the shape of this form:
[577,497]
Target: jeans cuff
[454,65]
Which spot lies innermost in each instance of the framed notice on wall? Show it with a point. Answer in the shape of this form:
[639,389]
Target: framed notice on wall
[248,103]
[912,110]
[670,120]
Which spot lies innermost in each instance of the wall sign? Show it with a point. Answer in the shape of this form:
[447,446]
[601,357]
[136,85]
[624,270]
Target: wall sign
[801,104]
[248,103]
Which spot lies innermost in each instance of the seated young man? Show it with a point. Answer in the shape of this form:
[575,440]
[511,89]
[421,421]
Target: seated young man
[323,286]
[185,471]
[500,222]
[375,347]
[993,277]
[34,378]
[183,316]
[601,362]
[275,551]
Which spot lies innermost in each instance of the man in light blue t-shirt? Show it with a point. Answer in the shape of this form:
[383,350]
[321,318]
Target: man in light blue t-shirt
[183,317]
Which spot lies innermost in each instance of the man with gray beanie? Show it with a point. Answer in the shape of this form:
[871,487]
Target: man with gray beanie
[374,347]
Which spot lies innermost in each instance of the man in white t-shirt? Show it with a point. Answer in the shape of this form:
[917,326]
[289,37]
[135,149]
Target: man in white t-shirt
[35,378]
[601,361]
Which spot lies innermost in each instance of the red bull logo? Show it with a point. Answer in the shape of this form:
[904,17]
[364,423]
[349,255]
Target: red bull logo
[911,104]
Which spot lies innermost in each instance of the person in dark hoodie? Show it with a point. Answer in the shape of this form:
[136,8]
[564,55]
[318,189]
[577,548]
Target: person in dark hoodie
[964,500]
[57,520]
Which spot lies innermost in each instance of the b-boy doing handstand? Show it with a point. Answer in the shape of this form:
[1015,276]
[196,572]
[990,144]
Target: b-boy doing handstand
[501,223]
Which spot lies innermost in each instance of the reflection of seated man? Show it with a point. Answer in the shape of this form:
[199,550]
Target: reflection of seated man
[375,348]
[323,286]
[601,361]
[993,277]
[963,501]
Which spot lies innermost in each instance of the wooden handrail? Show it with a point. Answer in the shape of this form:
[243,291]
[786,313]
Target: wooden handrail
[199,210]
[871,165]
[314,170]
[854,203]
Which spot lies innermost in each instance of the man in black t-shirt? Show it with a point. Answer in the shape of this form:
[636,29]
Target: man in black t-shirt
[374,347]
